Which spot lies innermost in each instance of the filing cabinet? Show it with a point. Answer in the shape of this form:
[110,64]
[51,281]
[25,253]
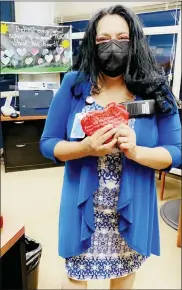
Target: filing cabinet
[21,145]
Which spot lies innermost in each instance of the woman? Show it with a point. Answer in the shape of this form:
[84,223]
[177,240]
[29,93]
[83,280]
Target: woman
[108,216]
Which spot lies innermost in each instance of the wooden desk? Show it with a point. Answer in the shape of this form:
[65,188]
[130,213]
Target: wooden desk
[22,118]
[10,234]
[13,256]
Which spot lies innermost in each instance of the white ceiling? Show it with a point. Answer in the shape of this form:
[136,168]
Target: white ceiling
[80,10]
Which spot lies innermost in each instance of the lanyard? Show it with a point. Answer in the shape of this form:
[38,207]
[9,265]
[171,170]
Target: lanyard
[140,108]
[135,108]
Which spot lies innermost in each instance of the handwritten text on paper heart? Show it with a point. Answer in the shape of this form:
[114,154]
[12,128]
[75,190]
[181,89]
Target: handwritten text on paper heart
[21,51]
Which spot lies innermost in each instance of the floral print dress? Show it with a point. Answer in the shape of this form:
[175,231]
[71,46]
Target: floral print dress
[109,255]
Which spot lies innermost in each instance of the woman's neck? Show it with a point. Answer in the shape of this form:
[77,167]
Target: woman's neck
[114,87]
[108,83]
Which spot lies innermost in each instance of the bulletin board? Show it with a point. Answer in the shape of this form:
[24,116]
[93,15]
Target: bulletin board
[35,49]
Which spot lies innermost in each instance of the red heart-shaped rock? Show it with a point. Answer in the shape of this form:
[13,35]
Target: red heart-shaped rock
[112,114]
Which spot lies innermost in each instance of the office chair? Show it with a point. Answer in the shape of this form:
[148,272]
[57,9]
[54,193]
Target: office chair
[175,171]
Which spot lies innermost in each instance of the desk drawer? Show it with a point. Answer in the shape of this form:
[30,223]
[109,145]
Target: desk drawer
[22,131]
[24,155]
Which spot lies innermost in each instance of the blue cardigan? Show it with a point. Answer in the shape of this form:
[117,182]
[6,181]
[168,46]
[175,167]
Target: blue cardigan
[137,204]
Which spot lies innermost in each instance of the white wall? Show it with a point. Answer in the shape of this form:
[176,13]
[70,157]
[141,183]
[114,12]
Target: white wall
[37,13]
[70,9]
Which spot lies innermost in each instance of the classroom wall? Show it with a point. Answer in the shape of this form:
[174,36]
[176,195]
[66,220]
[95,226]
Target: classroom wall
[69,9]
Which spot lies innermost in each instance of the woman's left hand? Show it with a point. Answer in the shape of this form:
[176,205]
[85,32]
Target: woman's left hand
[126,141]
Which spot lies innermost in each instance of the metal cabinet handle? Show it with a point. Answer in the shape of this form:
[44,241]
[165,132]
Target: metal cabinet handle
[19,122]
[20,145]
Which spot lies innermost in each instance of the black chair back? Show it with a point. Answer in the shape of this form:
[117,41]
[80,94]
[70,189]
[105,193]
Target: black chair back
[180,114]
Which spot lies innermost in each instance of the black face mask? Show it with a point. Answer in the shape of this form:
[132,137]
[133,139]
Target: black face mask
[113,57]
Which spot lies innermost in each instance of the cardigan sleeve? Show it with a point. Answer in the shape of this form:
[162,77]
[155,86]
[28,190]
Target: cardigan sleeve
[56,122]
[169,127]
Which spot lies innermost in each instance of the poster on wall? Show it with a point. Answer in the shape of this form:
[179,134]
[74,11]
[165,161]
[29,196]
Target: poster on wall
[35,49]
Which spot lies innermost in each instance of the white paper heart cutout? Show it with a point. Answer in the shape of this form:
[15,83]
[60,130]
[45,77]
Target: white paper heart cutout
[2,53]
[45,51]
[14,62]
[65,60]
[49,58]
[35,51]
[28,60]
[66,54]
[5,60]
[9,53]
[21,51]
[40,61]
[57,57]
[59,50]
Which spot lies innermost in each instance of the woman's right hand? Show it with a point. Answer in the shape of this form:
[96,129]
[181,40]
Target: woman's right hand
[94,145]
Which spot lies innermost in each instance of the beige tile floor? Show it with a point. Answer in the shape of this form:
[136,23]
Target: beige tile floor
[34,196]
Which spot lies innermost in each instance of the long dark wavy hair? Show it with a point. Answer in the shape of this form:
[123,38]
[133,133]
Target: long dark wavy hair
[143,75]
